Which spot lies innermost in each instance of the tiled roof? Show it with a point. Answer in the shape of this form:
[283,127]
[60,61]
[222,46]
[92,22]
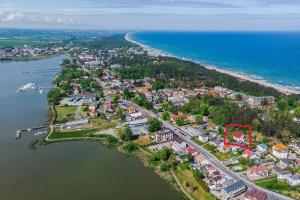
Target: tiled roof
[280,147]
[255,194]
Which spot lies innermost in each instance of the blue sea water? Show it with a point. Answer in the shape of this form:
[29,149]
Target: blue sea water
[271,56]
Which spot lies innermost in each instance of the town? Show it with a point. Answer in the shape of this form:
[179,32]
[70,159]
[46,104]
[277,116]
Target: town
[181,127]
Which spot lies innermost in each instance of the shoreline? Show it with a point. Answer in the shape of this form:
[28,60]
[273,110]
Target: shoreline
[240,75]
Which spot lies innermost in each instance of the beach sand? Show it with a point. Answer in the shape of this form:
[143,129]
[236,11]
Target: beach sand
[156,52]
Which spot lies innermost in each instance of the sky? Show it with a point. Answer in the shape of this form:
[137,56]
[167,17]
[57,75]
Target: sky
[255,15]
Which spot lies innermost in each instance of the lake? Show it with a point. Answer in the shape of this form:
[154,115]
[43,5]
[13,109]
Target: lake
[61,171]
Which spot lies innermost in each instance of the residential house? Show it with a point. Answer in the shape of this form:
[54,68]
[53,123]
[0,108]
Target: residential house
[238,136]
[284,163]
[257,172]
[137,123]
[178,146]
[234,189]
[163,135]
[132,109]
[203,138]
[283,175]
[294,180]
[108,107]
[280,151]
[174,118]
[296,147]
[262,148]
[93,109]
[249,154]
[255,194]
[192,151]
[201,160]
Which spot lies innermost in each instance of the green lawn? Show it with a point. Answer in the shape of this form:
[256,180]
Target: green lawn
[280,187]
[15,42]
[63,111]
[77,134]
[186,175]
[219,155]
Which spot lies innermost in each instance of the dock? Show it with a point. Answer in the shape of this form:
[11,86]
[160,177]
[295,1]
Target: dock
[20,131]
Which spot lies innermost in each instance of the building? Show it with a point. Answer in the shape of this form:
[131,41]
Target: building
[136,123]
[248,154]
[280,151]
[257,172]
[238,136]
[203,138]
[75,123]
[255,194]
[107,106]
[262,148]
[294,180]
[163,135]
[234,189]
[284,163]
[296,147]
[201,160]
[174,118]
[283,175]
[192,151]
[178,146]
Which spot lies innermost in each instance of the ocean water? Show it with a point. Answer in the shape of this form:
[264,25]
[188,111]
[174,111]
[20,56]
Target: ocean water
[270,56]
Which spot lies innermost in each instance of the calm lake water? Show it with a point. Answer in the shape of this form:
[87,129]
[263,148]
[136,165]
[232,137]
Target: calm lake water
[61,171]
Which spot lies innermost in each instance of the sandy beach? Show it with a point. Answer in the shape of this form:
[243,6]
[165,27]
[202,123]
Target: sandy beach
[156,52]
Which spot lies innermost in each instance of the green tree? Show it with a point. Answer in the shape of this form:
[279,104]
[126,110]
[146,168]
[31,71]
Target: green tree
[198,174]
[281,104]
[204,109]
[165,154]
[199,119]
[127,94]
[164,166]
[297,112]
[130,147]
[154,125]
[165,116]
[126,134]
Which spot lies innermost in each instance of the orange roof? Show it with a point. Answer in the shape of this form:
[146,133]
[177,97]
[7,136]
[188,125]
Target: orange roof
[280,147]
[179,116]
[143,90]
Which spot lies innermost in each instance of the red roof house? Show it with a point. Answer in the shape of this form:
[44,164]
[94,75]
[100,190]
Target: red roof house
[248,153]
[191,150]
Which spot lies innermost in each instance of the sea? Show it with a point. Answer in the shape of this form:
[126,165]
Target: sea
[271,57]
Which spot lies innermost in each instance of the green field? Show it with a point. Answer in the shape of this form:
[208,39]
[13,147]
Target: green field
[16,42]
[185,175]
[63,111]
[219,155]
[279,187]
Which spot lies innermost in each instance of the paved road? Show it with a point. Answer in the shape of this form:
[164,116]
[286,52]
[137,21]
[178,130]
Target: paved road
[213,160]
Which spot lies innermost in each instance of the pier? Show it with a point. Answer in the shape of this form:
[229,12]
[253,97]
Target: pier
[20,131]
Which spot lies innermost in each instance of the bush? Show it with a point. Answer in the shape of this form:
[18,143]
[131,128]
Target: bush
[164,166]
[154,125]
[130,147]
[126,134]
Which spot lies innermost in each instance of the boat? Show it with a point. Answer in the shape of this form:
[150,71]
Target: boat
[26,87]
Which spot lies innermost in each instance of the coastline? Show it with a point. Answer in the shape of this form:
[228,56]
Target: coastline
[240,75]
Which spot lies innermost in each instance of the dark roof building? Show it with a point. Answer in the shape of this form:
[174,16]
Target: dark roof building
[234,189]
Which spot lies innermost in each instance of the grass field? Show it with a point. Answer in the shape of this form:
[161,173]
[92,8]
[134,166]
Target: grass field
[15,42]
[63,111]
[280,187]
[185,175]
[103,123]
[219,155]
